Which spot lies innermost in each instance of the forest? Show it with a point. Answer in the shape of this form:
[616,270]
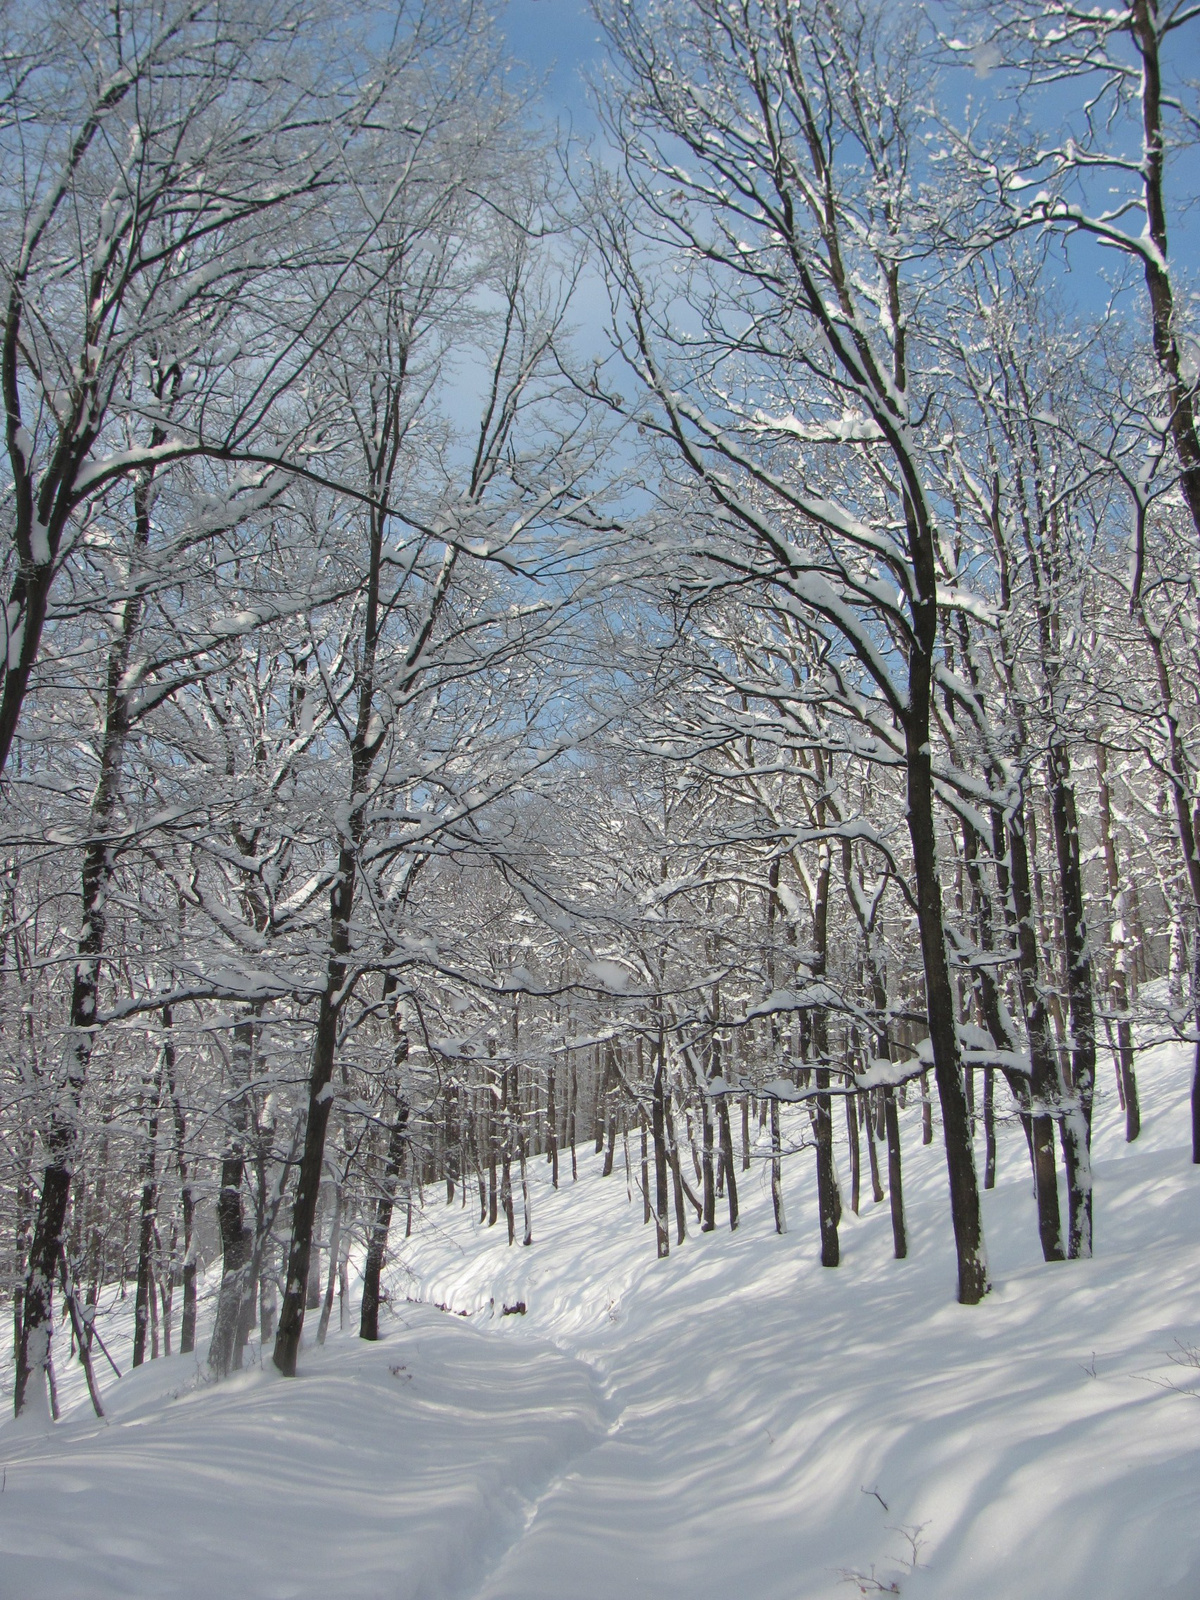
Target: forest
[675,644]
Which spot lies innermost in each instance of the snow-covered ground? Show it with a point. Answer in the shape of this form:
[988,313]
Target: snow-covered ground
[736,1423]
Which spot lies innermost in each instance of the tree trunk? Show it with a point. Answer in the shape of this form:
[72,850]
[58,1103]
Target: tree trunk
[552,1126]
[320,1103]
[506,1195]
[989,1128]
[939,1001]
[144,1297]
[187,1207]
[1187,829]
[236,1244]
[647,1208]
[676,1172]
[891,1124]
[368,1327]
[727,1160]
[1118,941]
[821,1110]
[662,1222]
[236,1238]
[1045,1082]
[709,1220]
[523,1164]
[777,1170]
[572,1101]
[335,1247]
[1076,1127]
[827,1195]
[872,1151]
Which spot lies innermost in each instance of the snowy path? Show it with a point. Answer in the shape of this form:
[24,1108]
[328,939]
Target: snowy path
[733,1424]
[785,1430]
[403,1468]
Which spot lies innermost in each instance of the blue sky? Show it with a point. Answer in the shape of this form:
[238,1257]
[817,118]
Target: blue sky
[558,40]
[557,37]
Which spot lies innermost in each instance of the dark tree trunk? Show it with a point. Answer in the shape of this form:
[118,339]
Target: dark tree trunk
[506,1197]
[1076,1127]
[493,1186]
[368,1327]
[939,993]
[1119,941]
[320,1104]
[523,1164]
[1045,1082]
[247,1311]
[647,1207]
[236,1245]
[23,1220]
[610,1124]
[709,1220]
[658,1122]
[572,1101]
[872,1150]
[364,747]
[827,1195]
[676,1171]
[552,1126]
[187,1205]
[777,1170]
[727,1160]
[1187,828]
[891,1124]
[312,1289]
[989,1128]
[1145,24]
[144,1296]
[450,1166]
[335,1249]
[237,1240]
[828,1200]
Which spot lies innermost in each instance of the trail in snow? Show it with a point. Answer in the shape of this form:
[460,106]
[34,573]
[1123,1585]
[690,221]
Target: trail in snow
[792,1432]
[735,1423]
[402,1468]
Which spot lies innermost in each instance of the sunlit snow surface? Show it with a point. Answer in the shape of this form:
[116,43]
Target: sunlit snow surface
[733,1424]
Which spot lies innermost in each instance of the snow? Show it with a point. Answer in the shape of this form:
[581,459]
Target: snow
[402,1468]
[735,1420]
[609,975]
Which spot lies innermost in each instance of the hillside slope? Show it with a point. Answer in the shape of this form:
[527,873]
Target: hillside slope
[736,1421]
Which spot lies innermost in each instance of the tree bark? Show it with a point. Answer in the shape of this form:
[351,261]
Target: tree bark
[335,1248]
[939,998]
[368,1327]
[777,1170]
[1076,1126]
[891,1123]
[727,1159]
[187,1273]
[99,862]
[144,1296]
[662,1222]
[1118,941]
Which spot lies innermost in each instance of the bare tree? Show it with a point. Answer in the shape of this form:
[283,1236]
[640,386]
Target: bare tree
[793,213]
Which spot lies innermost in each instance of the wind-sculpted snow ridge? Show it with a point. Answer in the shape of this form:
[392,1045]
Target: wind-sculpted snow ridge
[735,1421]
